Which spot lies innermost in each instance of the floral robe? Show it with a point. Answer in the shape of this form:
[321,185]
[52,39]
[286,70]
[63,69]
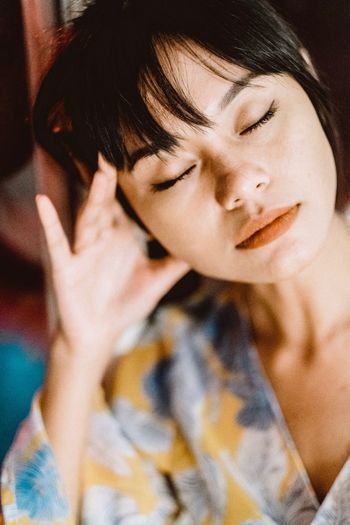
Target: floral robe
[186,430]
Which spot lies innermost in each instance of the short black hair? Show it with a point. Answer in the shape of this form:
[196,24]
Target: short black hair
[95,90]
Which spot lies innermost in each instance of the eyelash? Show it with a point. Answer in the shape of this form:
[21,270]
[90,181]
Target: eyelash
[270,113]
[162,186]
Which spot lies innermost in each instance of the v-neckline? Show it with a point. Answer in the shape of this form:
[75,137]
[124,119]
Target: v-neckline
[286,433]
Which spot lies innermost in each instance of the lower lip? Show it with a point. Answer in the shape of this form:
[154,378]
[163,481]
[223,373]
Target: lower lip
[271,232]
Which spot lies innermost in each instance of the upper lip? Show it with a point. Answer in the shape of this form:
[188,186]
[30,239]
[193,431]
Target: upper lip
[258,222]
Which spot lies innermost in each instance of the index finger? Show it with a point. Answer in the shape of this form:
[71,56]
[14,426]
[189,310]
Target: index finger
[110,173]
[57,242]
[101,198]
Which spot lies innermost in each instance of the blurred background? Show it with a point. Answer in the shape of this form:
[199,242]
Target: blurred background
[27,31]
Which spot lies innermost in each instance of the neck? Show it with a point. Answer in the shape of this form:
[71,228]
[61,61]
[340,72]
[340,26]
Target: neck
[308,310]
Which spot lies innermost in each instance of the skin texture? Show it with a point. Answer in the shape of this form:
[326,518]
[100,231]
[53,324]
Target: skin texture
[239,174]
[103,283]
[298,287]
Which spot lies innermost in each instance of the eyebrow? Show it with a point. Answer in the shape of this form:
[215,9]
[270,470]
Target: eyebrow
[142,153]
[235,89]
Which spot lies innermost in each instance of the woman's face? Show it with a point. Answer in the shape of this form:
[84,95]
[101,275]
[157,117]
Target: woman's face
[264,155]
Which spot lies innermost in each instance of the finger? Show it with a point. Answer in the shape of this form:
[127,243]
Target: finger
[110,173]
[57,242]
[101,210]
[113,217]
[88,218]
[166,273]
[101,195]
[97,191]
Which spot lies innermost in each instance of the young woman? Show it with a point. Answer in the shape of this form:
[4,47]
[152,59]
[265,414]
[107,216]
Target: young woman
[233,406]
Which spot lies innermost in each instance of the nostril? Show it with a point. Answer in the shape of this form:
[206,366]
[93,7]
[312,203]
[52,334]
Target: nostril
[260,186]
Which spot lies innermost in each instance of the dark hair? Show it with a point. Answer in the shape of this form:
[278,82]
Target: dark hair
[94,91]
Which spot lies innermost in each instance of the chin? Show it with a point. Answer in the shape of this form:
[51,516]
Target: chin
[285,262]
[288,265]
[282,263]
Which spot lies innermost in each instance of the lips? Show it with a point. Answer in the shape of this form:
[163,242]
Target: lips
[263,229]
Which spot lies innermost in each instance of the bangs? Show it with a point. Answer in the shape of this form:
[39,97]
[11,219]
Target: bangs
[153,94]
[115,83]
[123,100]
[106,107]
[159,93]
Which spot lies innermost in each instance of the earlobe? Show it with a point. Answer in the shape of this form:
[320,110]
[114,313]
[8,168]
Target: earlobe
[306,56]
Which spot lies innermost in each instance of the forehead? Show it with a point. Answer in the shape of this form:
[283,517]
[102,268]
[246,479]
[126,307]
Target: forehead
[199,76]
[206,82]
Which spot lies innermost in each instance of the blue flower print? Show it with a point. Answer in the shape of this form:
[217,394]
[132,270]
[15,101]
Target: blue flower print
[193,493]
[143,429]
[231,341]
[258,522]
[37,488]
[107,506]
[228,332]
[256,412]
[299,507]
[156,387]
[190,381]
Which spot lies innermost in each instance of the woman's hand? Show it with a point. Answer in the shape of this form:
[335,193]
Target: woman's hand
[103,283]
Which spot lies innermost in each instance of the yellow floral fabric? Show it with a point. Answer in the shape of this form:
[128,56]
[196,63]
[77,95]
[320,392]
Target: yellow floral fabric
[186,430]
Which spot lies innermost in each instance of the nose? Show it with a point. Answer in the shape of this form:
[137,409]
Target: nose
[236,185]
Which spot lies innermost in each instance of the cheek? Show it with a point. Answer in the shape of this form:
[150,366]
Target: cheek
[321,172]
[306,159]
[184,233]
[169,220]
[178,230]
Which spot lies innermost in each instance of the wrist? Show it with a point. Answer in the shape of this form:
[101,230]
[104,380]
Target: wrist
[80,353]
[79,363]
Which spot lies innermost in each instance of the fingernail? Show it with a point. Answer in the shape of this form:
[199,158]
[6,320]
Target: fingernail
[39,197]
[105,166]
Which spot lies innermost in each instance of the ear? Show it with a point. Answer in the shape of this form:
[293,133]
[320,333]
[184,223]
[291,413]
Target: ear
[306,56]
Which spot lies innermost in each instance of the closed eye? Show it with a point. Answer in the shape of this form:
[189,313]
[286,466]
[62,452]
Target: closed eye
[270,113]
[162,186]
